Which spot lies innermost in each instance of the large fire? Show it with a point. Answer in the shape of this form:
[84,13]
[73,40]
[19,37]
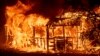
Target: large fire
[28,32]
[20,27]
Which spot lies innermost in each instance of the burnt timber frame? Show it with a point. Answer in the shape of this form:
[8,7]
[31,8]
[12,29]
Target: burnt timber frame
[47,29]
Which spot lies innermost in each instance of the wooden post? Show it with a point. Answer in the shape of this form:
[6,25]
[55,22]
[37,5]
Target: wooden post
[34,35]
[64,38]
[54,39]
[47,29]
[44,43]
[53,30]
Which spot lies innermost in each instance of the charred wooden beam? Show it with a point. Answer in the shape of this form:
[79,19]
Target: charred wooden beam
[47,29]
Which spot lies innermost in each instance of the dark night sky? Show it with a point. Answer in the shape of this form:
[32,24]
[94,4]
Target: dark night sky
[48,8]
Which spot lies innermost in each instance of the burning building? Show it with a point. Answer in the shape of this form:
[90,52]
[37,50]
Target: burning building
[33,32]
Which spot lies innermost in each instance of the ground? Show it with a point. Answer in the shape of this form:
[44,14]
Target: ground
[14,53]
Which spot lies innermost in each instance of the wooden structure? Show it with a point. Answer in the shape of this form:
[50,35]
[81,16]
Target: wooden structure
[61,43]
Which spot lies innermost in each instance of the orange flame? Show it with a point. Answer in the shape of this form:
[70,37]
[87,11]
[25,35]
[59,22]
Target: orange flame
[20,27]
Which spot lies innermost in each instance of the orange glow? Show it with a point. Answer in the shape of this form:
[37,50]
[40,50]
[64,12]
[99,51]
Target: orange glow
[28,32]
[20,27]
